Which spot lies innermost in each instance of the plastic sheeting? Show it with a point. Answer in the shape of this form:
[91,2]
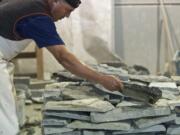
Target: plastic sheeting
[9,122]
[88,32]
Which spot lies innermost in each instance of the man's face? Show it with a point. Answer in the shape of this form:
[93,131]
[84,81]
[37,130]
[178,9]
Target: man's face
[61,9]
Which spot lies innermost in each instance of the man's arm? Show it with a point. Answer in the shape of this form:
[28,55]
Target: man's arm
[72,64]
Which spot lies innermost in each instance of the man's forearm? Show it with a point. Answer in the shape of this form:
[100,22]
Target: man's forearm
[71,63]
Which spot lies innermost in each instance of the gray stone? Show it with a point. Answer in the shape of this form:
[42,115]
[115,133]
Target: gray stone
[37,84]
[84,105]
[173,130]
[57,130]
[147,122]
[59,85]
[131,104]
[54,122]
[153,129]
[129,113]
[52,95]
[167,87]
[22,80]
[86,132]
[102,126]
[150,78]
[80,92]
[177,120]
[70,133]
[69,115]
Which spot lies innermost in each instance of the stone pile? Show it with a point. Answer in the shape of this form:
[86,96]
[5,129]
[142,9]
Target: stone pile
[81,108]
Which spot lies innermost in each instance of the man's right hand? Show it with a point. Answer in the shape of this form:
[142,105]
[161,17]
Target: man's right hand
[111,83]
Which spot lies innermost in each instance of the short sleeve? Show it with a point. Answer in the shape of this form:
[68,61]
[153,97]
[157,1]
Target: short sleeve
[41,29]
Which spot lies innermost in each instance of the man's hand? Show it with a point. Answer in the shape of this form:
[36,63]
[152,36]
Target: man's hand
[111,83]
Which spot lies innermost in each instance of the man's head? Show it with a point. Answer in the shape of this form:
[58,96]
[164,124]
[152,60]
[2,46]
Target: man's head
[63,8]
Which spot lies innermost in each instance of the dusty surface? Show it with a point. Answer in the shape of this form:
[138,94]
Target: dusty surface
[33,120]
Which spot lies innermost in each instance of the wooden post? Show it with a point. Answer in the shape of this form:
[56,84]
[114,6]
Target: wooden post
[40,67]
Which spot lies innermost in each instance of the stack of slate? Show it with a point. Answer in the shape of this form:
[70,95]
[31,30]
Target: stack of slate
[82,108]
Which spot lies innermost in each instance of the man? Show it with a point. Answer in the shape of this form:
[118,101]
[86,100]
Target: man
[22,21]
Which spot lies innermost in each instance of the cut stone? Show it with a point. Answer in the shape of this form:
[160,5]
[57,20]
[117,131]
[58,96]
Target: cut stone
[52,95]
[173,130]
[22,80]
[67,76]
[142,93]
[131,104]
[129,113]
[102,126]
[50,131]
[54,122]
[170,87]
[150,78]
[70,133]
[37,84]
[84,105]
[69,115]
[85,132]
[153,129]
[147,122]
[80,92]
[177,120]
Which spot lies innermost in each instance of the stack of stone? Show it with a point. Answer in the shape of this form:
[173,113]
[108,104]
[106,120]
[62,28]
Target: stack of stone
[82,108]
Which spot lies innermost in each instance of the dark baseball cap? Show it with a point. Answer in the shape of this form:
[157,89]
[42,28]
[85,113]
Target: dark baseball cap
[74,3]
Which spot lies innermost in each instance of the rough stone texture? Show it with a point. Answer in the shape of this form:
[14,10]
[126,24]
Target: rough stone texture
[69,115]
[71,133]
[67,76]
[131,104]
[150,78]
[80,92]
[141,92]
[54,122]
[177,121]
[22,80]
[173,130]
[153,129]
[129,113]
[102,126]
[50,130]
[147,122]
[37,84]
[85,132]
[85,105]
[52,95]
[166,87]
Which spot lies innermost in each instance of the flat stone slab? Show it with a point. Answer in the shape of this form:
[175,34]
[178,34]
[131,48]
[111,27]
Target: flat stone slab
[84,105]
[150,78]
[166,86]
[148,122]
[71,133]
[153,129]
[173,130]
[131,104]
[54,122]
[102,126]
[177,120]
[69,115]
[125,113]
[52,95]
[80,92]
[86,132]
[50,131]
